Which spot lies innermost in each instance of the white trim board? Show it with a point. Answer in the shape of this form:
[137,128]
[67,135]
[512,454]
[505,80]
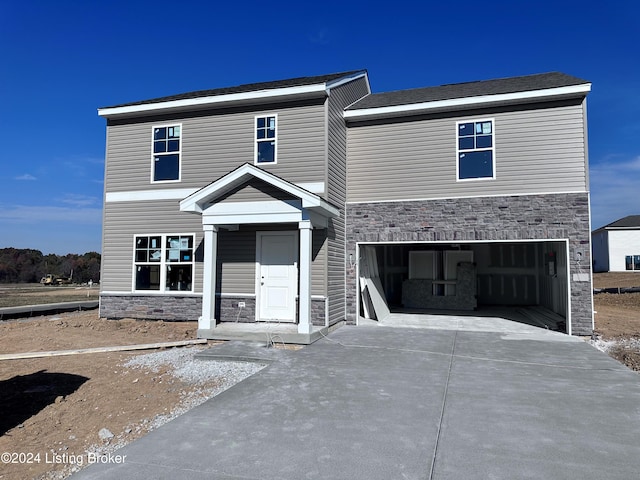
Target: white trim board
[215,100]
[497,195]
[466,102]
[181,193]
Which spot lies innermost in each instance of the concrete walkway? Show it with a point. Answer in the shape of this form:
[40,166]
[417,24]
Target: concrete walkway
[387,403]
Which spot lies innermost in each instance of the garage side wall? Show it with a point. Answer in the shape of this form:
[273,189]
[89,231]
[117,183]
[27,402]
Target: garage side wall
[486,219]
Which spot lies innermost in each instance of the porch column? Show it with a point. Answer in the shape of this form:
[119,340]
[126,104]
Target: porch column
[207,321]
[304,299]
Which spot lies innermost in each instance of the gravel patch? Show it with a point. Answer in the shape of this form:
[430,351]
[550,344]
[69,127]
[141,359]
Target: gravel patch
[208,378]
[607,346]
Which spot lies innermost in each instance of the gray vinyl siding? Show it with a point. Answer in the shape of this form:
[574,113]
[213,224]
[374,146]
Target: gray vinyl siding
[215,144]
[124,220]
[236,254]
[539,150]
[336,192]
[255,191]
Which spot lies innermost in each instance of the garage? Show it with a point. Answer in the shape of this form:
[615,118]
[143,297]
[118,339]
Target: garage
[522,281]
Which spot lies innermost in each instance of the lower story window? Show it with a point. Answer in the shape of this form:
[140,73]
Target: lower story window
[163,263]
[632,262]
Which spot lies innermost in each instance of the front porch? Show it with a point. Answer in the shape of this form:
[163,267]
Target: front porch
[283,218]
[268,332]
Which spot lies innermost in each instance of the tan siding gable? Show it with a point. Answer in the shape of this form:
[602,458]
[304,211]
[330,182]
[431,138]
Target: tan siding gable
[536,151]
[255,191]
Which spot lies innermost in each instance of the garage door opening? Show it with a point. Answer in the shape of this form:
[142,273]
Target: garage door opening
[526,282]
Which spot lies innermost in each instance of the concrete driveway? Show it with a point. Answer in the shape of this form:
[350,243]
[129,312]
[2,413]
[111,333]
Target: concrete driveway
[372,402]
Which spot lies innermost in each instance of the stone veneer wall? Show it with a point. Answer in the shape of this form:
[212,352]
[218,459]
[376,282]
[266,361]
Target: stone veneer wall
[487,219]
[230,312]
[151,307]
[189,308]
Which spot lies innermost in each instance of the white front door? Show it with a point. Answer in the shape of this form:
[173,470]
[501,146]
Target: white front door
[277,283]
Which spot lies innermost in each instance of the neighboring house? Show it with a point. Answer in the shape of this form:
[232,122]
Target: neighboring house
[616,246]
[267,202]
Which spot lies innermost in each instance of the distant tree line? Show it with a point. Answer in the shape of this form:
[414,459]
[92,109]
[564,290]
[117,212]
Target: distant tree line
[24,265]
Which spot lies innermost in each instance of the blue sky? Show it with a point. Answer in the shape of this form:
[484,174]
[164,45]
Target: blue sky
[64,59]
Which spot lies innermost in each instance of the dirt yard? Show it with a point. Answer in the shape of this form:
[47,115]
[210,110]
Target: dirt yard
[57,407]
[617,317]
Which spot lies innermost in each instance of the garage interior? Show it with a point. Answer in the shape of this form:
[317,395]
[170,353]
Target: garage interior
[525,282]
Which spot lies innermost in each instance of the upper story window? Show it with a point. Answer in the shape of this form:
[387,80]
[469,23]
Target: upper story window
[265,150]
[166,153]
[476,150]
[163,263]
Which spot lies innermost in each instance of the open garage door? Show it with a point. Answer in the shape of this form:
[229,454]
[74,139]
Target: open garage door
[525,281]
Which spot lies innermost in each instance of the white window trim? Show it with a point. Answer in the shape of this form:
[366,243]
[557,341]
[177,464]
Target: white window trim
[153,155]
[256,141]
[493,150]
[163,264]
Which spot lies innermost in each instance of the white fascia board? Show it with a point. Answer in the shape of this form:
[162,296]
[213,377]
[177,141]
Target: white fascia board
[469,102]
[214,100]
[313,187]
[142,195]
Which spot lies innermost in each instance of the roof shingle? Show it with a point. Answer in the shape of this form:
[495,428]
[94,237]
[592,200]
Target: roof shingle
[249,87]
[630,221]
[499,86]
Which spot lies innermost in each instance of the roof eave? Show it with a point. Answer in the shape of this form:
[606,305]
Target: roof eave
[216,101]
[547,94]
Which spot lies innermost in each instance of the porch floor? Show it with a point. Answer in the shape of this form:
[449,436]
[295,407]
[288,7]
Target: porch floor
[269,333]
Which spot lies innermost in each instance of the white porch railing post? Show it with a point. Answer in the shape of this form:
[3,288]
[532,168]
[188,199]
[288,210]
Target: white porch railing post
[207,321]
[304,298]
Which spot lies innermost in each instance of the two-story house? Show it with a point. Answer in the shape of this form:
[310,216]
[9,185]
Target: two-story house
[294,205]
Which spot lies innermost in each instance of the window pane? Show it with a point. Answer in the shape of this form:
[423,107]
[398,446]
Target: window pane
[142,242]
[262,122]
[271,133]
[628,260]
[465,129]
[484,141]
[155,255]
[475,165]
[174,146]
[179,277]
[266,152]
[174,132]
[260,133]
[465,143]
[141,256]
[159,133]
[486,128]
[636,262]
[148,277]
[159,147]
[166,167]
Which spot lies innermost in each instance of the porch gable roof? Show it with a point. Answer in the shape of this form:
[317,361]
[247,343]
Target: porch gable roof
[202,199]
